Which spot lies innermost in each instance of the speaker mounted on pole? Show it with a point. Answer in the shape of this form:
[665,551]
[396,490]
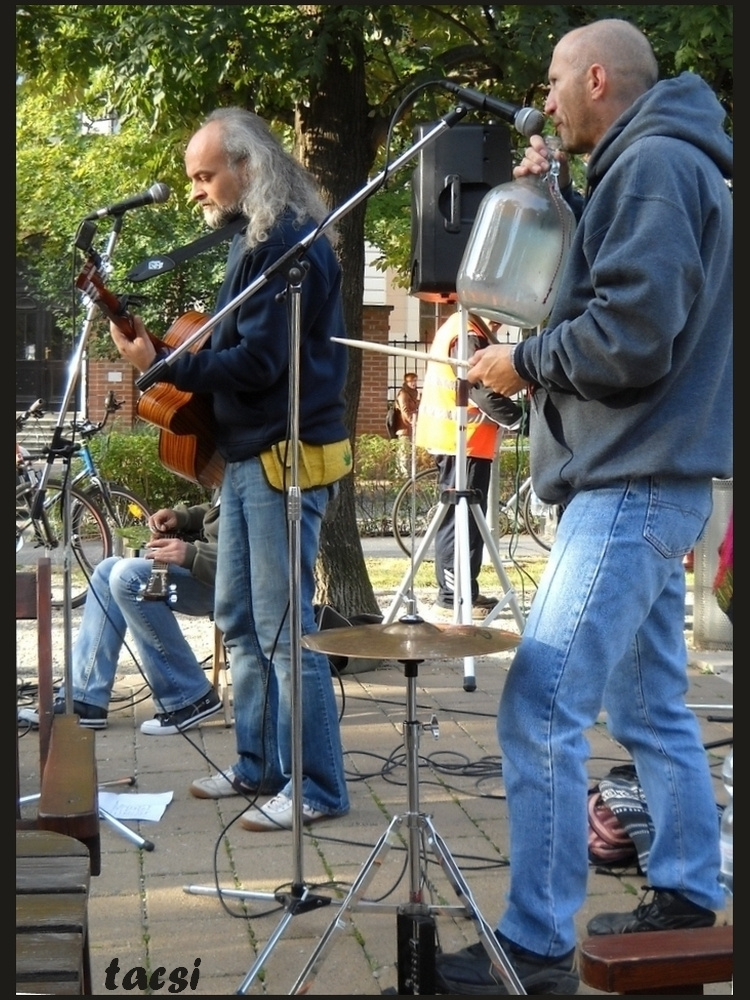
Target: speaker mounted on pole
[452,176]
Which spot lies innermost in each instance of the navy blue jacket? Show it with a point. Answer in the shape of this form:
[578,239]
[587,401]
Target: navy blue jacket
[245,365]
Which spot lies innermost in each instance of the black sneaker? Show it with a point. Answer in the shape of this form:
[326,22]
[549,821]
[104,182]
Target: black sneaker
[169,723]
[470,972]
[667,911]
[90,716]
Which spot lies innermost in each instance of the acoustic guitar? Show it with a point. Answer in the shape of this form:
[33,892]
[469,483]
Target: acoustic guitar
[185,419]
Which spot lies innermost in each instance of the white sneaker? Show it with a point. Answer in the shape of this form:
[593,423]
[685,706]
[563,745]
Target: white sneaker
[173,723]
[278,814]
[221,786]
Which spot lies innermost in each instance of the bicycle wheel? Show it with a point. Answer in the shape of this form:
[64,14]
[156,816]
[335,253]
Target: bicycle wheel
[540,520]
[122,508]
[414,508]
[90,539]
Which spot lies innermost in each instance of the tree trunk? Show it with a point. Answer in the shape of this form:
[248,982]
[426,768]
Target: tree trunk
[335,141]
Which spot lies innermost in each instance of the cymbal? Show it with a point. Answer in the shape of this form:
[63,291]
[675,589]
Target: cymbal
[410,638]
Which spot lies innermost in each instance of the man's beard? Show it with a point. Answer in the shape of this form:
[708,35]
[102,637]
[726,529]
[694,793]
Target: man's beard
[217,216]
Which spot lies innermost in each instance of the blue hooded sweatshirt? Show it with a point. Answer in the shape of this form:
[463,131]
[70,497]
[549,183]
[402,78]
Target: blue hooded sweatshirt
[633,374]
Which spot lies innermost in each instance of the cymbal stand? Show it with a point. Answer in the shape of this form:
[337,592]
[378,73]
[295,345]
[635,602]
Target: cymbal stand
[466,503]
[416,967]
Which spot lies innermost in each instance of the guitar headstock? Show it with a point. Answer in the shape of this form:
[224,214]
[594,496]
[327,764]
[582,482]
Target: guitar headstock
[91,283]
[156,587]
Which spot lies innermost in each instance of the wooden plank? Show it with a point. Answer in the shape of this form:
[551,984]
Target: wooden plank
[52,875]
[48,862]
[52,883]
[626,963]
[51,911]
[69,800]
[38,843]
[49,956]
[57,989]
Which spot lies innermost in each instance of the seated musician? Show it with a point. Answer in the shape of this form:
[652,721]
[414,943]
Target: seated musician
[115,604]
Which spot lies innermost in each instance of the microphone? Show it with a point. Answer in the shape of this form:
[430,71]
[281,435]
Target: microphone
[528,121]
[157,194]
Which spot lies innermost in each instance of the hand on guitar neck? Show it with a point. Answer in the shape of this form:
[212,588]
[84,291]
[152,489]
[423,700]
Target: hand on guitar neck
[128,333]
[187,444]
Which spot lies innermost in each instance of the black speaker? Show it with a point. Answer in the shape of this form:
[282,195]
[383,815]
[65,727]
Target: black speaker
[454,172]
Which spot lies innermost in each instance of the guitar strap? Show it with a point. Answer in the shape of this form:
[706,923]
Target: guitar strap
[154,266]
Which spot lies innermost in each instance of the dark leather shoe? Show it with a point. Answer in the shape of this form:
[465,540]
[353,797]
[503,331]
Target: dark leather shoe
[470,972]
[667,911]
[482,601]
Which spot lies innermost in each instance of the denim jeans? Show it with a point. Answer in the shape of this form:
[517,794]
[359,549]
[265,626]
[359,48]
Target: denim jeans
[606,631]
[112,607]
[252,610]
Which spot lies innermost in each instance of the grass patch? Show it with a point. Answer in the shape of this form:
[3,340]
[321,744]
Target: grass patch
[387,574]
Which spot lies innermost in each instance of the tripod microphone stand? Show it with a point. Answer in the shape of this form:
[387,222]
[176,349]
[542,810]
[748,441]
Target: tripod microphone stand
[64,449]
[466,504]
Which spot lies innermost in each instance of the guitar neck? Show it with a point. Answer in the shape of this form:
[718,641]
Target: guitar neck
[91,283]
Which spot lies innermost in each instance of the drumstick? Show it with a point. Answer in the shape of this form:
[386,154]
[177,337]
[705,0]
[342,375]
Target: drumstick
[403,352]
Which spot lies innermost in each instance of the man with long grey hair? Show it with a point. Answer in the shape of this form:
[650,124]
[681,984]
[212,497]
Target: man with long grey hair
[238,168]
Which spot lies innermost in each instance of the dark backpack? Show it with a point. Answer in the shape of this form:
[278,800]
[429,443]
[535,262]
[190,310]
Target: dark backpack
[392,421]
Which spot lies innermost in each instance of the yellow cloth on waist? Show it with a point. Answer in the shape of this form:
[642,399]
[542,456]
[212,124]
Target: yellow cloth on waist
[318,464]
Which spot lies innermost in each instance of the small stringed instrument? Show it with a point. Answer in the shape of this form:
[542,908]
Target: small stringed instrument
[185,419]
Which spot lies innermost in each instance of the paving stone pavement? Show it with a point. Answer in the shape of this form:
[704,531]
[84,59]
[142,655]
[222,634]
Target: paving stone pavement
[141,915]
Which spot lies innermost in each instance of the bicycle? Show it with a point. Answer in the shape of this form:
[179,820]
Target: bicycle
[417,502]
[100,510]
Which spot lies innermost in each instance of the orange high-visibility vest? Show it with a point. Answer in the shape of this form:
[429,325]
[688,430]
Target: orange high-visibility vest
[437,417]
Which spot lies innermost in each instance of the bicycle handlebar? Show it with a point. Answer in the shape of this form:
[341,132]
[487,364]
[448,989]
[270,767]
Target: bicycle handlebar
[87,428]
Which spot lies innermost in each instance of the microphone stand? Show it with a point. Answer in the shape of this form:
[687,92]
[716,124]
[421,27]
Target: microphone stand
[65,449]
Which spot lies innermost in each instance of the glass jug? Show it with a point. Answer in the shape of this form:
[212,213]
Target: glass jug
[516,251]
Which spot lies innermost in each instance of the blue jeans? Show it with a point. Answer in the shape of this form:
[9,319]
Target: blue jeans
[252,610]
[606,630]
[112,607]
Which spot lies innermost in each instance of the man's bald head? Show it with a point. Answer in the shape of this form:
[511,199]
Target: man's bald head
[621,49]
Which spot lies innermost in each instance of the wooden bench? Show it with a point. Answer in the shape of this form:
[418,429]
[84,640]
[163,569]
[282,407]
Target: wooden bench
[69,800]
[656,962]
[68,791]
[52,941]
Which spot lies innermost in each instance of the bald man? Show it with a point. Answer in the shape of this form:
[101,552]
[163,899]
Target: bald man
[631,409]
